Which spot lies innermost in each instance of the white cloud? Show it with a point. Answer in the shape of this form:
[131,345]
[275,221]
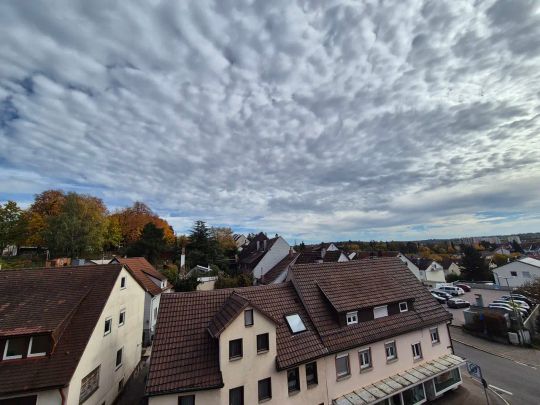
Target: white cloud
[317,119]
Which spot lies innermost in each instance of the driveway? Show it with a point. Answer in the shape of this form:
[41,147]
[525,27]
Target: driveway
[488,296]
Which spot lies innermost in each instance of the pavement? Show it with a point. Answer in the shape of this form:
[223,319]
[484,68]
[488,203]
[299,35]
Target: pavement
[470,392]
[488,296]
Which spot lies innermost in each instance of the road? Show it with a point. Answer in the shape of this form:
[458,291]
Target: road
[521,380]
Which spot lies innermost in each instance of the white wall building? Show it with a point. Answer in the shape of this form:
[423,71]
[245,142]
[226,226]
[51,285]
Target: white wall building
[517,273]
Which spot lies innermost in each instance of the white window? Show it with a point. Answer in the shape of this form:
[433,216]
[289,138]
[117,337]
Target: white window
[365,358]
[352,317]
[390,349]
[89,385]
[342,365]
[416,351]
[15,348]
[434,333]
[403,307]
[39,346]
[380,312]
[248,317]
[108,326]
[122,283]
[122,317]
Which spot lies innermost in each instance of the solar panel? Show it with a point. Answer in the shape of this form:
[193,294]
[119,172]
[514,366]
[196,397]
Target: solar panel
[295,323]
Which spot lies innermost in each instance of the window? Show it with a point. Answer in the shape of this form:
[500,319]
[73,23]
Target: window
[342,365]
[513,273]
[262,342]
[186,400]
[414,395]
[265,389]
[416,351]
[89,384]
[236,396]
[15,348]
[295,323]
[122,317]
[352,317]
[527,274]
[248,317]
[380,312]
[108,326]
[119,357]
[293,380]
[122,283]
[235,349]
[434,333]
[390,349]
[365,359]
[445,381]
[311,374]
[39,346]
[403,307]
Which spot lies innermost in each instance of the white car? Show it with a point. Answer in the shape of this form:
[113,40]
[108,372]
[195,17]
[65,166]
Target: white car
[522,304]
[507,307]
[451,289]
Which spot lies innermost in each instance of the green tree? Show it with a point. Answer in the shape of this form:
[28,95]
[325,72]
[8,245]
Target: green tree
[79,227]
[150,245]
[10,221]
[500,259]
[204,248]
[475,268]
[113,234]
[186,284]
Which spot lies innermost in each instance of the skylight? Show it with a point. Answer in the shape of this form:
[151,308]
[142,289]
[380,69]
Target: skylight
[295,323]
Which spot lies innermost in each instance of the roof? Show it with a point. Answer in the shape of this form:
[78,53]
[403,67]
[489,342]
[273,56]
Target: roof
[141,271]
[530,261]
[250,256]
[389,280]
[64,301]
[275,272]
[186,359]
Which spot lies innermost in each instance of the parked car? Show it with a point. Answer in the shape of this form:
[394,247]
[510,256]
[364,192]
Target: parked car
[443,294]
[516,301]
[521,311]
[464,287]
[451,289]
[458,303]
[440,299]
[528,300]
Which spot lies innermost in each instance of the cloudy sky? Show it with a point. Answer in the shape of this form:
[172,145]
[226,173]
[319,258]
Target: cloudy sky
[317,119]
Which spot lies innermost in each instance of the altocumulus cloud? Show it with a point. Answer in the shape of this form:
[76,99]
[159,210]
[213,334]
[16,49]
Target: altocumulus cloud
[317,119]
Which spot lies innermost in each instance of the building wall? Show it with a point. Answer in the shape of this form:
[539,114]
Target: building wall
[207,283]
[279,250]
[51,397]
[101,350]
[520,278]
[412,267]
[154,309]
[252,367]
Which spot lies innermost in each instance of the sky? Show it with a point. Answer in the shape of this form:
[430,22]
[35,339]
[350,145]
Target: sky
[317,120]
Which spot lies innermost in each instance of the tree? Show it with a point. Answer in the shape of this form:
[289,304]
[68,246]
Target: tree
[224,238]
[475,268]
[516,247]
[150,245]
[186,284]
[79,227]
[113,234]
[500,259]
[204,249]
[10,217]
[531,289]
[46,206]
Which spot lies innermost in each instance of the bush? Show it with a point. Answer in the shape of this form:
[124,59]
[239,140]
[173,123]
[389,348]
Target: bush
[242,280]
[450,278]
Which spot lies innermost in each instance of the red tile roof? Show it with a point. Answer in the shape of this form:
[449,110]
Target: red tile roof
[65,301]
[141,271]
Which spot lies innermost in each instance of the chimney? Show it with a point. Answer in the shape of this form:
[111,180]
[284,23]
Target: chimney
[264,250]
[183,258]
[258,245]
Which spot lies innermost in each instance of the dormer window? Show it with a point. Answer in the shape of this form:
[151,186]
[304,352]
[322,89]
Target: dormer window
[15,348]
[39,346]
[403,307]
[352,317]
[295,323]
[380,312]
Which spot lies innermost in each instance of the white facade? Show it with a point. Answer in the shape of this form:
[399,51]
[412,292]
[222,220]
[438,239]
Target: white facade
[432,275]
[410,265]
[518,273]
[273,256]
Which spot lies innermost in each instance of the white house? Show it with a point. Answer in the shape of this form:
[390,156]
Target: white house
[428,271]
[517,273]
[68,335]
[154,284]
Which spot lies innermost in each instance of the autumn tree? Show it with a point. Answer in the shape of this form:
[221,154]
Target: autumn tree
[10,217]
[113,234]
[46,206]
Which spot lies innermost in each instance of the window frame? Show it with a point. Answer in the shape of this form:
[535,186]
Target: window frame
[438,339]
[391,343]
[370,363]
[354,317]
[30,354]
[121,351]
[123,322]
[315,374]
[189,397]
[347,373]
[264,349]
[417,347]
[90,393]
[513,274]
[241,389]
[123,282]
[406,306]
[246,312]
[109,319]
[231,343]
[379,307]
[15,357]
[297,386]
[264,380]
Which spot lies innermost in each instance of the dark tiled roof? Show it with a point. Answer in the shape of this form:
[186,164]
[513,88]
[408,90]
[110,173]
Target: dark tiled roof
[250,256]
[65,301]
[309,257]
[141,270]
[187,358]
[332,256]
[388,277]
[279,268]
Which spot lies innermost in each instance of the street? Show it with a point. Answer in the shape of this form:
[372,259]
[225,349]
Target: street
[521,380]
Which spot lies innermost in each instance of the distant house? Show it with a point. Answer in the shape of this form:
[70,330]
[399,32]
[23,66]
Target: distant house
[240,240]
[261,255]
[322,256]
[450,267]
[68,335]
[428,271]
[517,273]
[279,272]
[154,283]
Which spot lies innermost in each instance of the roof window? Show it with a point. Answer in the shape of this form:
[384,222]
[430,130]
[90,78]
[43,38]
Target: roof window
[295,323]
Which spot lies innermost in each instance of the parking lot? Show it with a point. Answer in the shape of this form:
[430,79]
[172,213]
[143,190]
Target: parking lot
[488,297]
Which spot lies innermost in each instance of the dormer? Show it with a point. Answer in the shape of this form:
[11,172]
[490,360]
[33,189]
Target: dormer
[25,346]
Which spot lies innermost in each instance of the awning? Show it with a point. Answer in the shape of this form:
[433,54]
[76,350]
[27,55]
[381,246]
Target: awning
[399,382]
